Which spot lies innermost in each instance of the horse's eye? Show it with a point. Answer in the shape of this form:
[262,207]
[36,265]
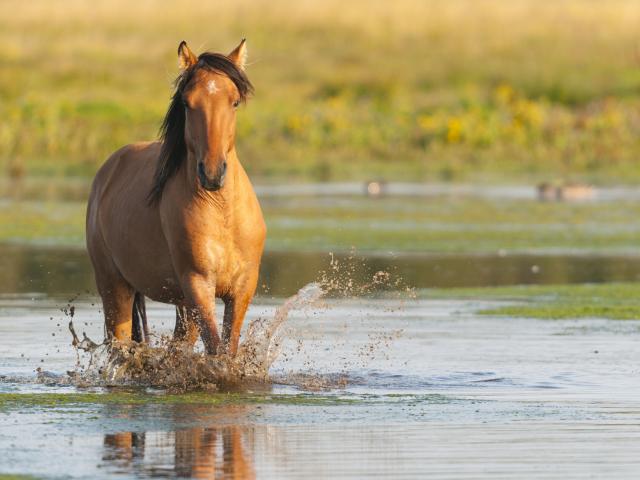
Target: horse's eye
[236,104]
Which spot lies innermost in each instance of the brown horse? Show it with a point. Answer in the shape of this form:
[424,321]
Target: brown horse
[178,220]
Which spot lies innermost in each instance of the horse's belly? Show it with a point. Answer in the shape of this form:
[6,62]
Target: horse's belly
[142,256]
[165,290]
[147,267]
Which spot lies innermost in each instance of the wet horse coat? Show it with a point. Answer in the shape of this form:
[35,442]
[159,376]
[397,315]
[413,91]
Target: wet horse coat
[178,220]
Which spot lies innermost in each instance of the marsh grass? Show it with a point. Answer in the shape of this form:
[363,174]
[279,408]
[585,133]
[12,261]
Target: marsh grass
[405,90]
[615,301]
[440,224]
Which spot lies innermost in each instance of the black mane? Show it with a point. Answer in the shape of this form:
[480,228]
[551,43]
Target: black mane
[174,150]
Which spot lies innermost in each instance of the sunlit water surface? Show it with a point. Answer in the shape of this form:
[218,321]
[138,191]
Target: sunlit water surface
[422,389]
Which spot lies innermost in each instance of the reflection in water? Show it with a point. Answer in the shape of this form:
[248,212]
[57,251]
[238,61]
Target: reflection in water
[63,271]
[218,452]
[122,448]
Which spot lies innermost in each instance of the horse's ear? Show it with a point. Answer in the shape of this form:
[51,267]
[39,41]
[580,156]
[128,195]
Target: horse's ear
[186,58]
[239,54]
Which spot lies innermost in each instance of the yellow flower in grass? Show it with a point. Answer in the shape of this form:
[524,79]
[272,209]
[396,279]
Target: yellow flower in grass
[504,93]
[528,113]
[454,130]
[297,123]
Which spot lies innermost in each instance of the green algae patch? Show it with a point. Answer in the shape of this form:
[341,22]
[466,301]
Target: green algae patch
[13,401]
[615,301]
[16,477]
[557,312]
[74,402]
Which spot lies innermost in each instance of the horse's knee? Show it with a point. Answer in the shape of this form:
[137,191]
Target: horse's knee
[234,313]
[199,298]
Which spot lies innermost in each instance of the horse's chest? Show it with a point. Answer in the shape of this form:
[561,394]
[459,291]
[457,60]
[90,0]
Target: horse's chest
[226,250]
[229,262]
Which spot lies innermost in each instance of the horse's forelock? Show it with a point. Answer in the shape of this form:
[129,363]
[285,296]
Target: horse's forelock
[221,63]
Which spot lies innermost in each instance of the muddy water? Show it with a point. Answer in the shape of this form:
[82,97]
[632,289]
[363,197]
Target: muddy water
[64,271]
[412,390]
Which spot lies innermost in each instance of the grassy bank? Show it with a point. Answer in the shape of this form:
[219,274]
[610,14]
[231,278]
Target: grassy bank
[464,90]
[617,301]
[428,225]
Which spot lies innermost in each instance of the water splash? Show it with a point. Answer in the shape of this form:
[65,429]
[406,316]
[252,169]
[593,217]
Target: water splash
[263,340]
[177,367]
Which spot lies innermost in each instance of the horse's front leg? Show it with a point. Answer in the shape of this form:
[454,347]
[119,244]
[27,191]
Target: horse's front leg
[235,309]
[199,295]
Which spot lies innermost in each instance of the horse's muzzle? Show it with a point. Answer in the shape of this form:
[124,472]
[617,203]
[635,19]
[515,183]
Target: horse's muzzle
[212,183]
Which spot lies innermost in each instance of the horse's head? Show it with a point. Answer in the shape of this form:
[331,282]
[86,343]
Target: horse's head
[199,128]
[213,87]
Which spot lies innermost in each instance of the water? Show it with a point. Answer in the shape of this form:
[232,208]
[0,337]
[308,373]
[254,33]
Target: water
[412,389]
[362,388]
[67,271]
[78,189]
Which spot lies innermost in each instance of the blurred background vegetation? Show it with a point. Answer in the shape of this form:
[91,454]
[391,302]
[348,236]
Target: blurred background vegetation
[462,90]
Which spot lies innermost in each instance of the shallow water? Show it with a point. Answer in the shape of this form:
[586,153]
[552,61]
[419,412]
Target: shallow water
[414,389]
[67,271]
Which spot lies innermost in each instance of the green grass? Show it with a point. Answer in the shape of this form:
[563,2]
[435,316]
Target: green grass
[429,225]
[465,90]
[616,301]
[55,223]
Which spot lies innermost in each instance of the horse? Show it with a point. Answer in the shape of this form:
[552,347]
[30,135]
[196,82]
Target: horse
[177,220]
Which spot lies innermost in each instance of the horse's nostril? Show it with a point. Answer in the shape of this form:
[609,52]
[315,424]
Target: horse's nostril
[201,168]
[224,166]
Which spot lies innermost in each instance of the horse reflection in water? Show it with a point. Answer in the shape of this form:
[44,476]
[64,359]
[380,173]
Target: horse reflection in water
[203,453]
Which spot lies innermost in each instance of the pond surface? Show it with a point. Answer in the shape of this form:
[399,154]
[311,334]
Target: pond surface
[67,271]
[413,389]
[363,388]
